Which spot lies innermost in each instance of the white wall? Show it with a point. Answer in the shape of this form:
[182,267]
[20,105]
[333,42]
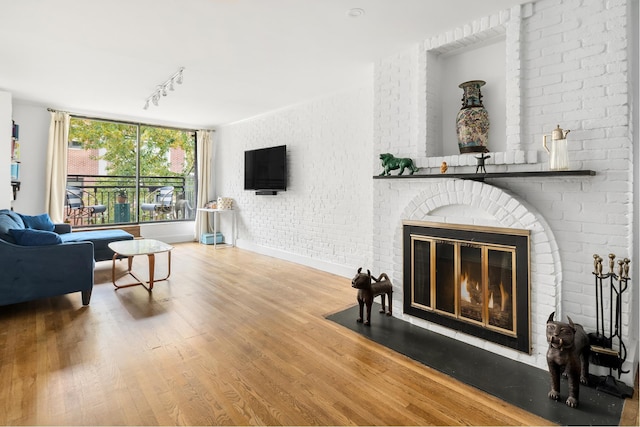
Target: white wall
[324,219]
[5,147]
[34,134]
[574,66]
[634,49]
[565,65]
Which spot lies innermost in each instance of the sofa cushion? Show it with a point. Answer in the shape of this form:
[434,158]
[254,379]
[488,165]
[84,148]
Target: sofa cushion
[9,220]
[31,237]
[100,240]
[38,222]
[96,236]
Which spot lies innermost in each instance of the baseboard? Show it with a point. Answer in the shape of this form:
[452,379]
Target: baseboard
[329,267]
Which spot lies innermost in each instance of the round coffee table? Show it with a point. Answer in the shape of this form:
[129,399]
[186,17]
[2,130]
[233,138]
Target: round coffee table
[131,248]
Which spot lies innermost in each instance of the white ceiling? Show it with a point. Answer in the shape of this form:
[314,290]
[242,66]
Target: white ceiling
[241,57]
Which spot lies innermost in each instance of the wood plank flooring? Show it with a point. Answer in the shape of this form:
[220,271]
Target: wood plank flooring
[232,338]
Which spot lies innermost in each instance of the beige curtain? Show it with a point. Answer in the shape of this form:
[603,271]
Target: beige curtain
[205,158]
[56,177]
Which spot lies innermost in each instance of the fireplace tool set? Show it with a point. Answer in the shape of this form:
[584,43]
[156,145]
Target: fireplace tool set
[602,351]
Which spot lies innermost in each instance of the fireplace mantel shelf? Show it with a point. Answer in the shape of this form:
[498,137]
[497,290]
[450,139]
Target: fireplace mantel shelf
[490,175]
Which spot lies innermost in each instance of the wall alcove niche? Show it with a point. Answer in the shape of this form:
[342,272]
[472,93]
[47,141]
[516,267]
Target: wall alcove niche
[458,55]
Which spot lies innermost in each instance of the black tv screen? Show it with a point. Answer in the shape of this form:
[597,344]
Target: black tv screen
[266,168]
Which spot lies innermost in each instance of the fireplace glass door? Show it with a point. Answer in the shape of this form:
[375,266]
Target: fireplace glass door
[468,281]
[472,279]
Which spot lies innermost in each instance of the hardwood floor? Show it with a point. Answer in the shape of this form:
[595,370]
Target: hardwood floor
[232,338]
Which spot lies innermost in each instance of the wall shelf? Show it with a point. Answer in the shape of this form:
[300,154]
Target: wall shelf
[491,175]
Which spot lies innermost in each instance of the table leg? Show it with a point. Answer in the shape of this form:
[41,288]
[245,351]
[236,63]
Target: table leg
[168,264]
[113,269]
[152,269]
[129,272]
[215,231]
[140,282]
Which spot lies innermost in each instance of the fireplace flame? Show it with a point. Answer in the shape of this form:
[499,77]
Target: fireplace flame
[464,293]
[470,291]
[504,296]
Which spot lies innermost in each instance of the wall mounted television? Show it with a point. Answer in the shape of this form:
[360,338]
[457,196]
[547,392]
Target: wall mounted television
[265,170]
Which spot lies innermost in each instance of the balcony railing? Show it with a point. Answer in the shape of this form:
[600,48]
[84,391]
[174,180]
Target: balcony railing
[145,202]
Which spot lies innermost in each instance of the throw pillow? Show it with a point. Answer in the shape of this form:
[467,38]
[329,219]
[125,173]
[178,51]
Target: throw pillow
[8,221]
[38,222]
[31,237]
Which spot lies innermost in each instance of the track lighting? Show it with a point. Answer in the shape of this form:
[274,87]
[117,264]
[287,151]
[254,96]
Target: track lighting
[161,89]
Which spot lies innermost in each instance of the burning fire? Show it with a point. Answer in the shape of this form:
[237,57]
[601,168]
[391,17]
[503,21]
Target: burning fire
[470,292]
[503,298]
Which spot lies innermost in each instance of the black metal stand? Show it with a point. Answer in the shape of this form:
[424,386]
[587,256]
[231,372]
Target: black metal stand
[602,346]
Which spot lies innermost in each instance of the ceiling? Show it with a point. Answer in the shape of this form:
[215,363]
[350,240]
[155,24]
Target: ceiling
[242,58]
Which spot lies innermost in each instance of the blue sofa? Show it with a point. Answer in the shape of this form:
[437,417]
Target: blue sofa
[41,259]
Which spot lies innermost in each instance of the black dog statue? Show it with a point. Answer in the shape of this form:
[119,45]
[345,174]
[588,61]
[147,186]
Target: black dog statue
[368,288]
[568,353]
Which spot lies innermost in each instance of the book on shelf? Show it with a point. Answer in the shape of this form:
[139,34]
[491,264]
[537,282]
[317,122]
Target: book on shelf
[15,150]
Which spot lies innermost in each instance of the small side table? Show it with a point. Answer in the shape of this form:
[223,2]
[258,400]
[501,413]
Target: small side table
[215,213]
[131,248]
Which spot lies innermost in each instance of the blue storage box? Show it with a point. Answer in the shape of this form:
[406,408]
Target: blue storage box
[207,238]
[15,171]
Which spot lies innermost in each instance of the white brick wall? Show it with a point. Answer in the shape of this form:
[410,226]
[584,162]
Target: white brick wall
[569,66]
[567,63]
[324,219]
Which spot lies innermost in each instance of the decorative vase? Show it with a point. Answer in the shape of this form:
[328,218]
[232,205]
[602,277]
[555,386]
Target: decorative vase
[472,121]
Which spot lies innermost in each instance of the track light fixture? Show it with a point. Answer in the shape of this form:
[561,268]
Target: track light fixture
[161,89]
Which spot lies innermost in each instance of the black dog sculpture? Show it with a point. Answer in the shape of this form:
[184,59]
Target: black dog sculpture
[569,353]
[368,288]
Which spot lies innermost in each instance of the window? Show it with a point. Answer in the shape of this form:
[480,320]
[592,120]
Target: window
[120,173]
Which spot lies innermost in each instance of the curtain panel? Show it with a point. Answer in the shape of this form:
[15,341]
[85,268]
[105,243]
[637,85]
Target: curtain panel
[56,175]
[204,149]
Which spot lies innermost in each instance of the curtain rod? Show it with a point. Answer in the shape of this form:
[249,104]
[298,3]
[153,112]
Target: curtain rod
[52,110]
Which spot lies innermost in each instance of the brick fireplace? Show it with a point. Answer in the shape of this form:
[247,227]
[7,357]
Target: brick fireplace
[547,81]
[473,206]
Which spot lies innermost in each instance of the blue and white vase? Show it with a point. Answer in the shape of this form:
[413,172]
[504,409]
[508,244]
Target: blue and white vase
[472,121]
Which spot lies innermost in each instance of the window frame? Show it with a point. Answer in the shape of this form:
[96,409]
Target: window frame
[138,178]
